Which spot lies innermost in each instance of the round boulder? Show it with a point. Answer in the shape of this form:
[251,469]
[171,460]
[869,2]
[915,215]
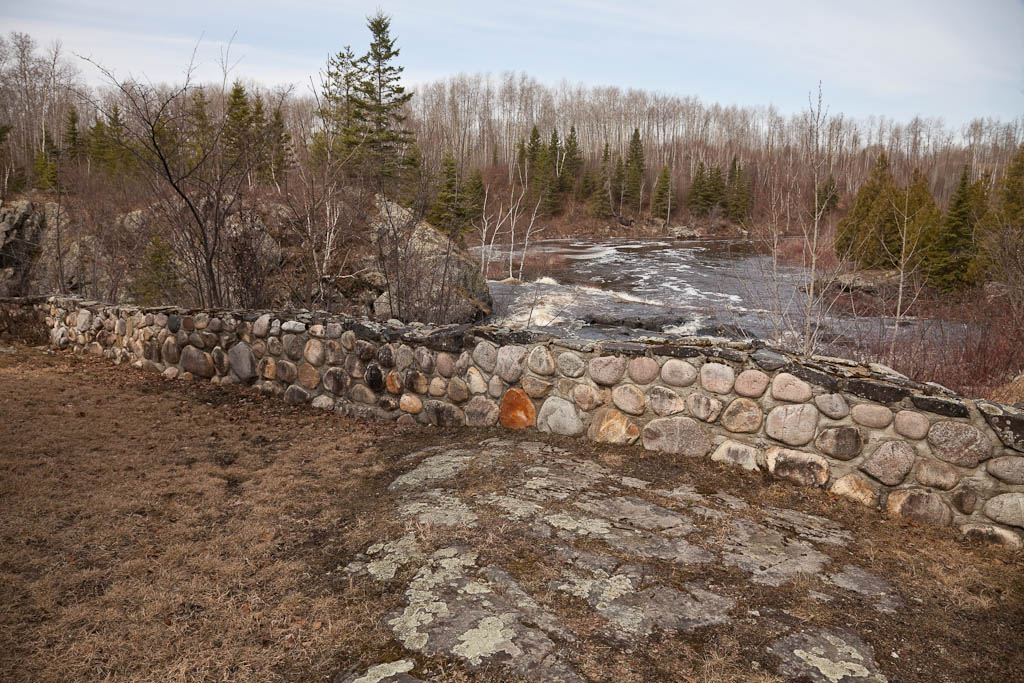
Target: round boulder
[959,443]
[676,435]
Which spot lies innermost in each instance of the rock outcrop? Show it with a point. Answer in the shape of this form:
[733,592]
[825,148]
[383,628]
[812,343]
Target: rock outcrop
[432,278]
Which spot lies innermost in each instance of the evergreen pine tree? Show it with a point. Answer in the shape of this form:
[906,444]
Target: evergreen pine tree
[572,163]
[443,214]
[858,235]
[661,202]
[601,200]
[635,172]
[472,199]
[715,187]
[74,142]
[828,196]
[380,115]
[238,128]
[618,185]
[949,257]
[533,151]
[697,197]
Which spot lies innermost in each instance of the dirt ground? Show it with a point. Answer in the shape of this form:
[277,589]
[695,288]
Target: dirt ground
[157,530]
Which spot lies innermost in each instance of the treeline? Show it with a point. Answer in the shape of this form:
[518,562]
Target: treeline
[495,157]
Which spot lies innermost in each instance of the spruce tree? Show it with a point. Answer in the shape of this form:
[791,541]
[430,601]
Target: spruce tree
[828,196]
[601,200]
[380,115]
[697,197]
[715,187]
[661,202]
[950,256]
[618,185]
[533,150]
[443,214]
[238,133]
[572,163]
[635,172]
[858,235]
[74,142]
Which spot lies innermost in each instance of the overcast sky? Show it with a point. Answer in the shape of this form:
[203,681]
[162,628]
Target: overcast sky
[957,59]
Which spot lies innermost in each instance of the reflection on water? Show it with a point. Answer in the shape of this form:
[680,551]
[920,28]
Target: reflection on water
[628,288]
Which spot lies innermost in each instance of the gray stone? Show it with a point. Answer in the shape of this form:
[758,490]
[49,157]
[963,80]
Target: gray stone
[169,351]
[665,401]
[607,370]
[919,505]
[890,463]
[630,399]
[444,414]
[296,395]
[540,361]
[510,363]
[84,320]
[806,469]
[242,361]
[936,474]
[1009,469]
[643,370]
[792,424]
[911,424]
[424,359]
[832,405]
[458,390]
[438,387]
[677,436]
[336,381]
[220,360]
[717,378]
[964,500]
[535,388]
[197,362]
[293,346]
[445,365]
[703,407]
[360,393]
[323,402]
[495,387]
[559,416]
[787,387]
[742,416]
[842,443]
[1006,421]
[570,365]
[678,373]
[286,371]
[826,656]
[958,443]
[348,340]
[1006,508]
[751,383]
[293,326]
[485,355]
[871,415]
[736,453]
[481,412]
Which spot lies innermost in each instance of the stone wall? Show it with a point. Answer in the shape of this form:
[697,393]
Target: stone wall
[864,432]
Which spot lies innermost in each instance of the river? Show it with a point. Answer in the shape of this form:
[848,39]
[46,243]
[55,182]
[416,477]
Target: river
[625,288]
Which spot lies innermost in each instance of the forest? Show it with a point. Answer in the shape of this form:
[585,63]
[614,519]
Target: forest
[235,194]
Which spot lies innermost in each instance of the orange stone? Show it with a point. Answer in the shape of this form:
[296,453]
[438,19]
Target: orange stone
[517,411]
[393,382]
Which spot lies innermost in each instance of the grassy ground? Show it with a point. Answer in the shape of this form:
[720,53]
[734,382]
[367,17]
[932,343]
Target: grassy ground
[164,531]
